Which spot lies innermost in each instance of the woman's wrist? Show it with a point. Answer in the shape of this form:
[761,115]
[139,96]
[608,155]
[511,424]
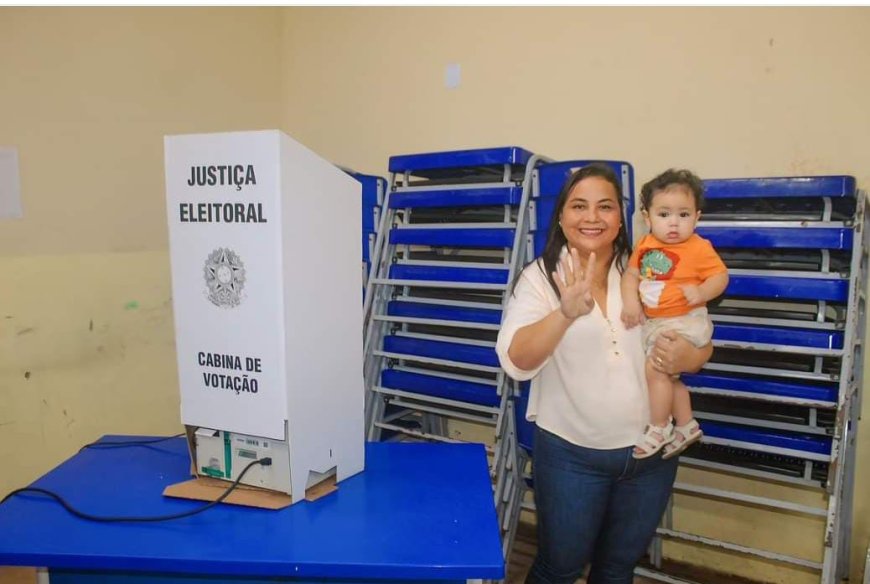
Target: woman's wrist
[564,317]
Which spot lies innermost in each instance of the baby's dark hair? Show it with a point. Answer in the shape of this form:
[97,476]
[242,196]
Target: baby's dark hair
[669,178]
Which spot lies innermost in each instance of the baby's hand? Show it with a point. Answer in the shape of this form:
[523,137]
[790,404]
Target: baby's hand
[632,315]
[692,294]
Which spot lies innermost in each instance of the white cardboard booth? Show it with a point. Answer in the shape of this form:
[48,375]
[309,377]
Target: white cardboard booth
[265,246]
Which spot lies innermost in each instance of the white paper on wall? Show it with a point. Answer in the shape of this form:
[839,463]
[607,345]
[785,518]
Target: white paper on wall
[10,184]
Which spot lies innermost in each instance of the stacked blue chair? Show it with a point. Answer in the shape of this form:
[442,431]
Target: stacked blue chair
[547,182]
[453,230]
[374,190]
[518,482]
[777,402]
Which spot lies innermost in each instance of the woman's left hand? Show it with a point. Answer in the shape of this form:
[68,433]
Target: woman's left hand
[673,354]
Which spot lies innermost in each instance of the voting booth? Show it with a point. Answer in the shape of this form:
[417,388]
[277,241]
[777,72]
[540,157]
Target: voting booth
[265,246]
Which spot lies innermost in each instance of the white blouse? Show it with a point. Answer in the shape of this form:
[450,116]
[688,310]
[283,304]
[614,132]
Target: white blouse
[592,390]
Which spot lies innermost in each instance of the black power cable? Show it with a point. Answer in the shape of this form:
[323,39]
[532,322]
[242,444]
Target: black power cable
[132,519]
[104,445]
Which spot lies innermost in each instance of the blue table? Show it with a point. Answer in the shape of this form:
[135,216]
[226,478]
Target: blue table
[418,512]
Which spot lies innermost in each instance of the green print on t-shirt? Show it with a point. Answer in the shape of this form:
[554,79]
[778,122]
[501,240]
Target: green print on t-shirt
[658,264]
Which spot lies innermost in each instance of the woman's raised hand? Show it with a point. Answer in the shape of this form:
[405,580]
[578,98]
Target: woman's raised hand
[575,285]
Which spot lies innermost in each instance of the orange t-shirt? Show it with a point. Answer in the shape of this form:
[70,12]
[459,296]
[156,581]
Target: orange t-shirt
[665,267]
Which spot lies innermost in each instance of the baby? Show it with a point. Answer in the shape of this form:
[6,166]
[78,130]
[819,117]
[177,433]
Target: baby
[671,275]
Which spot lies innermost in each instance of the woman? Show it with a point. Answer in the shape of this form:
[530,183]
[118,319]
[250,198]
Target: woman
[596,504]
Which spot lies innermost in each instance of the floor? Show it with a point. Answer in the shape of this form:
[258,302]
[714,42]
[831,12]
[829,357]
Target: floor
[524,554]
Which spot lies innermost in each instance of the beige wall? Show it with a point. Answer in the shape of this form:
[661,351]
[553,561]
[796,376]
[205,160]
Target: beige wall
[725,91]
[728,92]
[86,340]
[89,93]
[86,334]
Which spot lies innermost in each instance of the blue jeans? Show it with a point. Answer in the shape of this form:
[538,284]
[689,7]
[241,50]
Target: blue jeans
[598,507]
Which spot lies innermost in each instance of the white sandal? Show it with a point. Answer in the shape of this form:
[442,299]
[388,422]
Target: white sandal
[653,439]
[683,437]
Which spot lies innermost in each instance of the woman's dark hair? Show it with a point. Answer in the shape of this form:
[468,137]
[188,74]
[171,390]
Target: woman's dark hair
[556,238]
[670,178]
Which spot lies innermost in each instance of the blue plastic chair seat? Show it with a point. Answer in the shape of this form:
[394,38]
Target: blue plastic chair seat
[449,274]
[777,237]
[443,312]
[762,387]
[816,186]
[456,237]
[787,288]
[539,241]
[458,352]
[452,389]
[371,186]
[479,197]
[809,443]
[544,208]
[418,163]
[368,219]
[779,336]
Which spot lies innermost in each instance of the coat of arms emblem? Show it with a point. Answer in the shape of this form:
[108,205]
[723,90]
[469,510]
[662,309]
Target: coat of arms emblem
[225,277]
